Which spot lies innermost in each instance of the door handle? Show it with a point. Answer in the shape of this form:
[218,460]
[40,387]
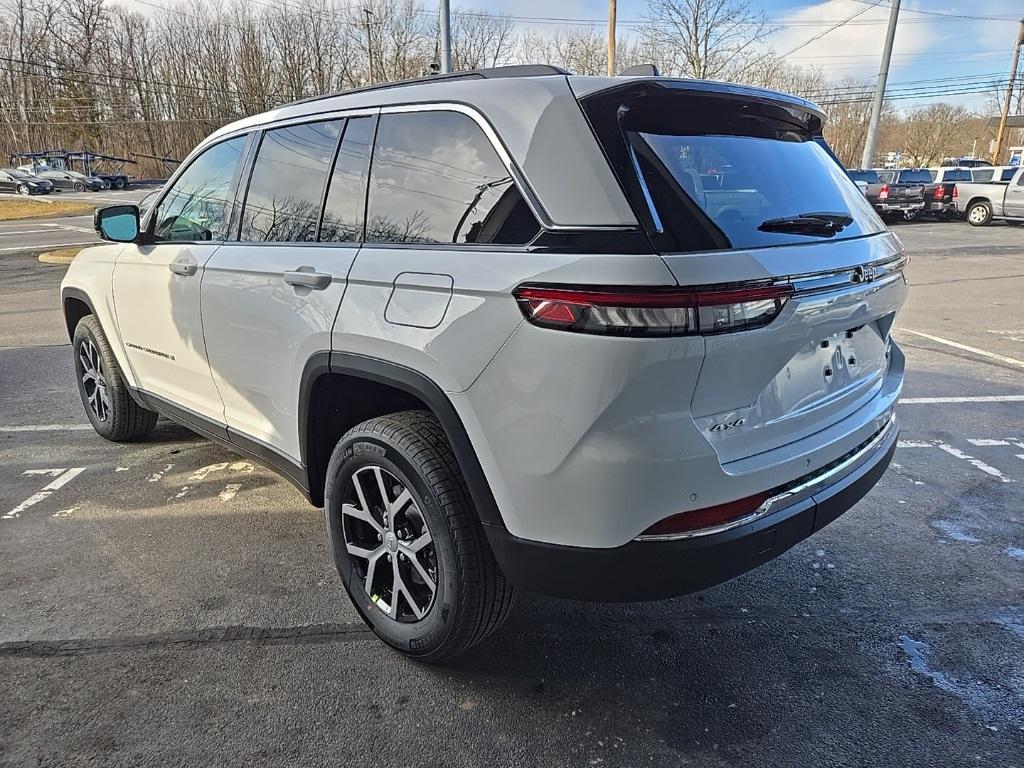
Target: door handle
[305,277]
[180,268]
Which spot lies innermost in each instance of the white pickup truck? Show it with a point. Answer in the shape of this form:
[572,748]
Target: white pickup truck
[982,203]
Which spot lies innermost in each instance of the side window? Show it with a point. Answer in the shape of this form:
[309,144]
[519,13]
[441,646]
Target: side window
[435,178]
[196,207]
[286,188]
[346,196]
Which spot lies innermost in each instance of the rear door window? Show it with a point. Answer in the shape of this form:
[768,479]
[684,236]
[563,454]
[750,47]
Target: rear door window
[346,195]
[436,178]
[286,188]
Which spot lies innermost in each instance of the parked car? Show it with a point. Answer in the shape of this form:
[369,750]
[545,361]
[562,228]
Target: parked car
[12,180]
[983,203]
[65,180]
[994,173]
[589,347]
[942,202]
[904,192]
[868,182]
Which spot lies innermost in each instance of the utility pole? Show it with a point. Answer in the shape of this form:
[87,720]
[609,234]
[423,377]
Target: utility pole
[611,37]
[369,46]
[446,38]
[1001,133]
[867,160]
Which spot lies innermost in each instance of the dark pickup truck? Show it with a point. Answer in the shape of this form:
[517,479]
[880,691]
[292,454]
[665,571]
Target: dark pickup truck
[942,202]
[905,192]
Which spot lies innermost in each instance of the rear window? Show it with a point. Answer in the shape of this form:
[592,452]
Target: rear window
[1008,174]
[921,176]
[957,174]
[982,174]
[868,177]
[746,187]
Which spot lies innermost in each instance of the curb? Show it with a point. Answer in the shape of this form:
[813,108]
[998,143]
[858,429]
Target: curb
[54,257]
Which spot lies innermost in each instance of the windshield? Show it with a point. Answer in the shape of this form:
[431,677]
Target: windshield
[868,177]
[753,191]
[921,176]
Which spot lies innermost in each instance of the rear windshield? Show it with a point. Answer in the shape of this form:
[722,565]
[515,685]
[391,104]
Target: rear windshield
[957,174]
[747,187]
[868,177]
[921,176]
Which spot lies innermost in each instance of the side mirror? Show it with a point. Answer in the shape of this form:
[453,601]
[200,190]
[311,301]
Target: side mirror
[117,223]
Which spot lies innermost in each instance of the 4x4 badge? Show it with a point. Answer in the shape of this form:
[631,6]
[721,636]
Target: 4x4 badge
[726,425]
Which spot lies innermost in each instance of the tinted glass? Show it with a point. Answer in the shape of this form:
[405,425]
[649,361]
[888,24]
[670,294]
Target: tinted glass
[921,176]
[346,196]
[435,178]
[743,184]
[1008,174]
[886,177]
[286,188]
[957,174]
[868,177]
[982,174]
[196,207]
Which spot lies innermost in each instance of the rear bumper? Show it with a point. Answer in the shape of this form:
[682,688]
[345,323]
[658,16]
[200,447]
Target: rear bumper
[908,206]
[654,570]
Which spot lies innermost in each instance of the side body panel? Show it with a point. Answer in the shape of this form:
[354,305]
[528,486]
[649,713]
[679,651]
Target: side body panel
[260,331]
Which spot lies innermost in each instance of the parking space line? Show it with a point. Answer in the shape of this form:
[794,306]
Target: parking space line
[45,427]
[48,490]
[979,399]
[966,348]
[914,444]
[986,468]
[49,245]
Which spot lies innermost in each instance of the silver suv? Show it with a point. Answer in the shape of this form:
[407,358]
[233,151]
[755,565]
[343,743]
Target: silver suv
[600,338]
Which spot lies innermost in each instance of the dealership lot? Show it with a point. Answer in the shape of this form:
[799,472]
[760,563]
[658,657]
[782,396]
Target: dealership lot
[169,603]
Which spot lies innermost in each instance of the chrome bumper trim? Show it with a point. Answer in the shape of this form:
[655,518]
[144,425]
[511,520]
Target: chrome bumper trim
[804,487]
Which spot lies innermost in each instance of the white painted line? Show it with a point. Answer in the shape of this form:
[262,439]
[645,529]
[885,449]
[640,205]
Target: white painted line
[986,468]
[984,441]
[45,427]
[49,245]
[914,444]
[49,472]
[22,232]
[982,399]
[64,479]
[966,348]
[229,491]
[48,490]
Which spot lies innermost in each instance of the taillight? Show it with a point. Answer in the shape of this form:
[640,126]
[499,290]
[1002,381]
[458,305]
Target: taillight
[956,192]
[883,193]
[651,311]
[709,517]
[939,193]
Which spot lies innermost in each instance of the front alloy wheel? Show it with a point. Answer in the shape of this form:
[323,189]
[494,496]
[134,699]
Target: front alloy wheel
[94,383]
[387,536]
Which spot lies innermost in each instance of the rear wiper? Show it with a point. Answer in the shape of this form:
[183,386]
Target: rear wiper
[824,224]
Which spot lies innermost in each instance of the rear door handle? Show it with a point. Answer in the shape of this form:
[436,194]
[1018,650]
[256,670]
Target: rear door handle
[305,277]
[180,268]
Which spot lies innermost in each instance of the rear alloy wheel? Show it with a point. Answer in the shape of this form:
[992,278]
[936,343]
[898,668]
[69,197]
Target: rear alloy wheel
[979,214]
[112,411]
[406,540]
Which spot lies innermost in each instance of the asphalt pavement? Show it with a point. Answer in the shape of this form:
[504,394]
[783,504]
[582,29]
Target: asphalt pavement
[169,603]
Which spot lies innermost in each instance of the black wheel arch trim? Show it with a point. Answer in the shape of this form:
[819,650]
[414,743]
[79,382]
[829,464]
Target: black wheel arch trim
[416,384]
[80,295]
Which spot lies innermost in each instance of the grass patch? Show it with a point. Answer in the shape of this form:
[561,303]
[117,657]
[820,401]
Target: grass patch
[61,255]
[34,208]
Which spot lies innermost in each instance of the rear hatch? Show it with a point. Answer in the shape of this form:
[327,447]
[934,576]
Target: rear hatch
[737,188]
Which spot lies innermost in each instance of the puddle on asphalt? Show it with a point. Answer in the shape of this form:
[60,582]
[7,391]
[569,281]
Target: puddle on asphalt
[1003,705]
[955,531]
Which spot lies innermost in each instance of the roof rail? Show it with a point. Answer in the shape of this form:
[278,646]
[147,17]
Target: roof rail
[516,70]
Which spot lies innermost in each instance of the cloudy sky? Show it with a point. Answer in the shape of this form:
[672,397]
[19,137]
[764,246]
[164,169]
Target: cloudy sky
[961,45]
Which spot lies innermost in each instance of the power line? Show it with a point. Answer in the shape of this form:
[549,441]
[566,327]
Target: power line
[833,28]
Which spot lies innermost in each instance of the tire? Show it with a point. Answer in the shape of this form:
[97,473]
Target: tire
[111,409]
[118,184]
[23,189]
[979,214]
[79,186]
[471,597]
